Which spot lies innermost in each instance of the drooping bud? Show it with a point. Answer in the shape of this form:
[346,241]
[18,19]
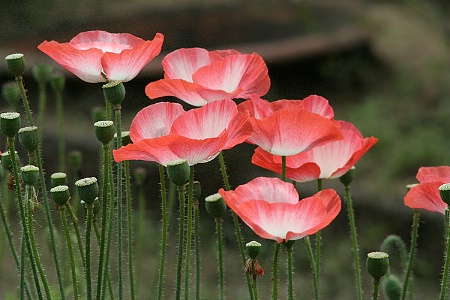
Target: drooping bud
[29,174]
[114,92]
[10,123]
[347,178]
[29,138]
[87,189]
[58,178]
[444,191]
[60,194]
[15,63]
[215,205]
[104,130]
[178,172]
[377,264]
[392,288]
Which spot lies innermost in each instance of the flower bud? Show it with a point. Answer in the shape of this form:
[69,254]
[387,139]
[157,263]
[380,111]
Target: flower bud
[29,174]
[215,205]
[104,130]
[29,138]
[377,264]
[42,72]
[15,63]
[253,249]
[87,189]
[58,178]
[6,161]
[95,205]
[60,194]
[10,123]
[114,92]
[444,191]
[347,178]
[392,288]
[11,94]
[178,172]
[57,82]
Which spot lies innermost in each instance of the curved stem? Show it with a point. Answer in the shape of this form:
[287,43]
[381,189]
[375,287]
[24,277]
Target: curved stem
[187,262]
[354,238]
[312,262]
[237,228]
[129,228]
[182,199]
[69,247]
[444,281]
[162,256]
[219,222]
[412,251]
[275,272]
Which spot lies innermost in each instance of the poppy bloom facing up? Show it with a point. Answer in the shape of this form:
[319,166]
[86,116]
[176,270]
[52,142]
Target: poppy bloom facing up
[198,76]
[165,133]
[119,56]
[288,127]
[425,195]
[330,160]
[271,208]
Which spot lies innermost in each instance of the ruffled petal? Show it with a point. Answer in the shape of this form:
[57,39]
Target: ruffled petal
[427,174]
[426,196]
[182,63]
[132,152]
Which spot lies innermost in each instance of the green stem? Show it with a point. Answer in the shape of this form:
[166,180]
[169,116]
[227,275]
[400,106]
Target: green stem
[197,248]
[162,255]
[69,247]
[182,199]
[237,228]
[354,238]
[23,219]
[104,200]
[140,228]
[61,141]
[187,262]
[77,232]
[312,262]
[118,122]
[22,270]
[89,217]
[318,242]
[255,288]
[219,222]
[108,279]
[42,105]
[129,228]
[283,168]
[444,281]
[19,81]
[290,273]
[412,251]
[275,272]
[29,202]
[376,287]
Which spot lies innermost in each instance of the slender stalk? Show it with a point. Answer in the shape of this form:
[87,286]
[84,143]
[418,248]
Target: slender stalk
[23,216]
[162,256]
[187,262]
[182,199]
[376,287]
[108,279]
[255,288]
[42,105]
[118,122]
[219,237]
[140,228]
[37,259]
[89,217]
[61,141]
[105,197]
[444,281]
[77,232]
[129,228]
[19,81]
[283,168]
[354,238]
[318,242]
[290,273]
[62,212]
[275,272]
[197,248]
[310,254]
[237,228]
[412,252]
[22,270]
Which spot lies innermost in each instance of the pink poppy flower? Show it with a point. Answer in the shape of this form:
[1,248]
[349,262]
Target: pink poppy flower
[425,195]
[165,133]
[271,208]
[328,161]
[198,76]
[89,55]
[288,127]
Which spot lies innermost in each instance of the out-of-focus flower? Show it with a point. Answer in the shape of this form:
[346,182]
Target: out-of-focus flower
[165,133]
[331,160]
[425,195]
[288,127]
[198,76]
[271,208]
[94,55]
